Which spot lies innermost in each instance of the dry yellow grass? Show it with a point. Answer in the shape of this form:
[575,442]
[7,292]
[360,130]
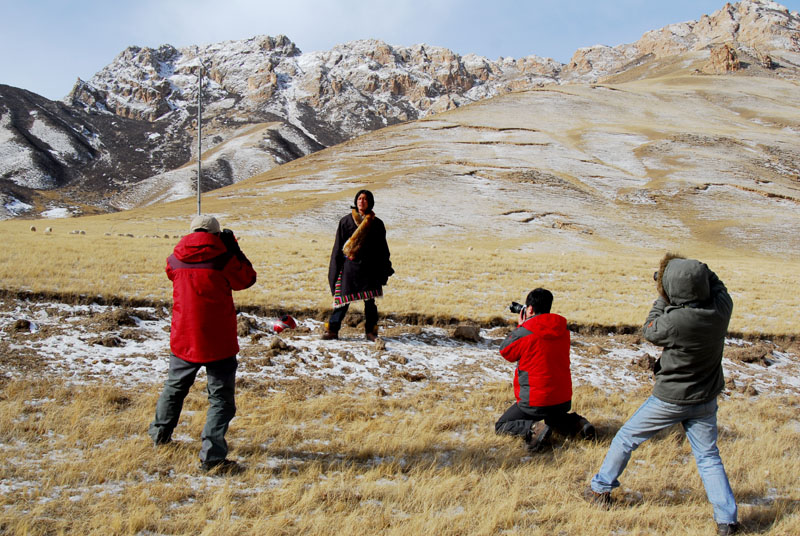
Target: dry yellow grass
[77,461]
[450,279]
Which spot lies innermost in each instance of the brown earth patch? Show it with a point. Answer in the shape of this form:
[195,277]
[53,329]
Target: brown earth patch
[23,359]
[113,319]
[755,353]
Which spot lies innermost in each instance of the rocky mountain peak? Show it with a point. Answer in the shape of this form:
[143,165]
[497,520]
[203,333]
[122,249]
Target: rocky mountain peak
[264,93]
[723,59]
[281,43]
[756,26]
[358,86]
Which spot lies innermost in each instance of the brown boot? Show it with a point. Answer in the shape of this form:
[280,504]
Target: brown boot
[603,500]
[372,335]
[329,334]
[538,437]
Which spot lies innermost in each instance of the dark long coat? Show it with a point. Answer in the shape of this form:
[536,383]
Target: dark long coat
[372,267]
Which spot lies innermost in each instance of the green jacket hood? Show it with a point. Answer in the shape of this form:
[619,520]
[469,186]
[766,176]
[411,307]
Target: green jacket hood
[681,280]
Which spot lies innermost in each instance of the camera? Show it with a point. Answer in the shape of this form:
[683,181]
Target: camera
[516,307]
[229,240]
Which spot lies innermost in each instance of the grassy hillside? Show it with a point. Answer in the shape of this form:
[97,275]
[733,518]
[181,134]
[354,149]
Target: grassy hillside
[580,189]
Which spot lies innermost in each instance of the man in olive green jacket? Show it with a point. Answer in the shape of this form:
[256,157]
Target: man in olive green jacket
[689,320]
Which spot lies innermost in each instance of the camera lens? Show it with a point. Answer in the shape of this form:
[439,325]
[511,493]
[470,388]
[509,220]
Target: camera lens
[515,307]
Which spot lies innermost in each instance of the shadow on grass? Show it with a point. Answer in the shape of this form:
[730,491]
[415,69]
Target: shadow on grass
[505,456]
[763,515]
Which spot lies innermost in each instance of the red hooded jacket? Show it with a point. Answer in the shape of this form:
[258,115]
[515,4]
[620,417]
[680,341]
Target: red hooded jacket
[203,274]
[540,347]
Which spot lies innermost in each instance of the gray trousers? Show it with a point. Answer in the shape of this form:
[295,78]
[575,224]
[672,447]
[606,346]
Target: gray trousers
[222,406]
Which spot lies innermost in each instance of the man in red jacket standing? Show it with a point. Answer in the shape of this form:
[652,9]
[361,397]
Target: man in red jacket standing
[542,380]
[204,268]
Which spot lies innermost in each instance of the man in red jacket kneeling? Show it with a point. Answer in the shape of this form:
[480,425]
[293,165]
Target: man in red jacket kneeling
[542,381]
[204,268]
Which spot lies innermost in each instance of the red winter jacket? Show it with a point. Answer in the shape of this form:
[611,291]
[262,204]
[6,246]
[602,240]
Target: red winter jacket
[203,274]
[540,346]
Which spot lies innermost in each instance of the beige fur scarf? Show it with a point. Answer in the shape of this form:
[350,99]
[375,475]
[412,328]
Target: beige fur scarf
[354,243]
[660,277]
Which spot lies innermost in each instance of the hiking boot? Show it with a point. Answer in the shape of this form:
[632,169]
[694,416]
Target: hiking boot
[161,441]
[226,467]
[585,429]
[538,437]
[724,529]
[601,499]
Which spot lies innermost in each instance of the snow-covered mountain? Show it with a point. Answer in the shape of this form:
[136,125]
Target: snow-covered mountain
[759,29]
[54,155]
[127,136]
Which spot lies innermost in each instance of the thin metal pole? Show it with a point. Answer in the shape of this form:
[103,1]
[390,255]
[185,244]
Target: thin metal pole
[199,132]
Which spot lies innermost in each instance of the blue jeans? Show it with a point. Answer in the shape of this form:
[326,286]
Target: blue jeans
[700,424]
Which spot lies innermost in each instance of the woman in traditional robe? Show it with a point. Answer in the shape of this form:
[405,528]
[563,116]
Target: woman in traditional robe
[359,266]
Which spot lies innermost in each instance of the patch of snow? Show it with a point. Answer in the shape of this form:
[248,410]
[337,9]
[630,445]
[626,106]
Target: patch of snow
[17,207]
[71,349]
[56,212]
[16,160]
[60,143]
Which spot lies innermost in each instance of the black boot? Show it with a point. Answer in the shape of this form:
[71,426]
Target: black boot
[725,529]
[585,429]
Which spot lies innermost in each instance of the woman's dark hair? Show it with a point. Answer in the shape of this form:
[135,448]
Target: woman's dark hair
[370,199]
[540,299]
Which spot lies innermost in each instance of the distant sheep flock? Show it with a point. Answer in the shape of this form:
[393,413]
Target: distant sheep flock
[49,230]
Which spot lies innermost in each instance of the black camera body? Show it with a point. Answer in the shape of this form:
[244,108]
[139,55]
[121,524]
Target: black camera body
[516,308]
[229,240]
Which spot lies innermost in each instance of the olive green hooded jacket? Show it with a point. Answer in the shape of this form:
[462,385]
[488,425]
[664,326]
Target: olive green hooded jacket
[689,320]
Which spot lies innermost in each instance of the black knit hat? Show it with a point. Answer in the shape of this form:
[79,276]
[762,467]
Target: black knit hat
[370,199]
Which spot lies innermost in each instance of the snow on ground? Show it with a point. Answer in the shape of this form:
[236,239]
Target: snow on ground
[60,143]
[91,344]
[15,207]
[130,346]
[57,212]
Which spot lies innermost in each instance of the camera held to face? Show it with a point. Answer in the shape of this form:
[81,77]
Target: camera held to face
[229,240]
[516,308]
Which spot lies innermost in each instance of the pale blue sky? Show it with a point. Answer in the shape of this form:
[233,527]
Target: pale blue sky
[45,45]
